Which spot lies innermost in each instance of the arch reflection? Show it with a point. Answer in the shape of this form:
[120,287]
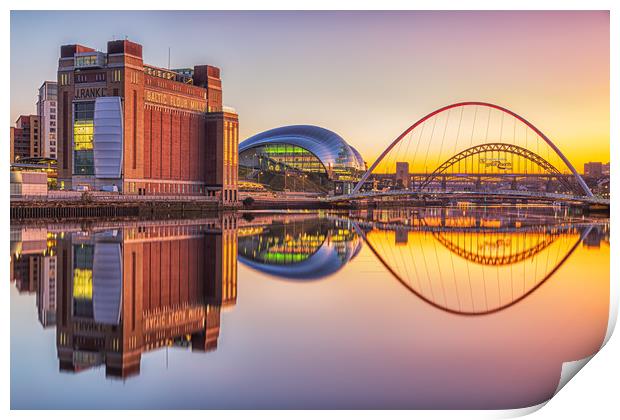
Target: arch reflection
[472,261]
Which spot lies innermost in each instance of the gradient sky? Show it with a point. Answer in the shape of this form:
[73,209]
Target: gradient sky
[365,75]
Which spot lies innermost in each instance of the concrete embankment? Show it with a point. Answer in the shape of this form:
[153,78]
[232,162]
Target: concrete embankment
[111,206]
[68,209]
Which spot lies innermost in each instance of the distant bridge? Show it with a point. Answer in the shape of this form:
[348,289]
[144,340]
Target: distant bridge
[470,195]
[493,156]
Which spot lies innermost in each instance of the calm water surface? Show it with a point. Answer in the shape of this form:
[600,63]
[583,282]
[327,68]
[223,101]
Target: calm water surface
[465,307]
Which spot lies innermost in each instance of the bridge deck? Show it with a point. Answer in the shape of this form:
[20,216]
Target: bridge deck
[536,196]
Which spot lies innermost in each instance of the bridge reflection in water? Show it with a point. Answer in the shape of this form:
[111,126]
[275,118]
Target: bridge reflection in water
[441,307]
[468,262]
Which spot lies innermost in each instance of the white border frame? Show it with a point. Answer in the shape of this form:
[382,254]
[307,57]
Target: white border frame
[593,394]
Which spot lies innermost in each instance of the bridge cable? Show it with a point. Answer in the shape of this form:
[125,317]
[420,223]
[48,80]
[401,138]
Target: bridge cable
[526,145]
[419,140]
[397,154]
[401,252]
[428,276]
[429,144]
[441,280]
[458,131]
[406,159]
[486,137]
[514,136]
[484,281]
[473,126]
[417,146]
[501,134]
[458,298]
[471,289]
[415,266]
[443,137]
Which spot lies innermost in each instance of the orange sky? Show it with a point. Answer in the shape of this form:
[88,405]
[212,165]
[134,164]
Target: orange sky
[365,75]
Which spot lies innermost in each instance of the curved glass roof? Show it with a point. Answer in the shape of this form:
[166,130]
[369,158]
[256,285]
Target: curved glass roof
[327,146]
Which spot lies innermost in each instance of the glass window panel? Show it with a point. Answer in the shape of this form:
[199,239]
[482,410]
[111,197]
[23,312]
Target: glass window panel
[83,133]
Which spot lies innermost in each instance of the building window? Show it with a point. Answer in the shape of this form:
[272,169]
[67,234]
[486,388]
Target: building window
[83,131]
[117,75]
[64,79]
[87,61]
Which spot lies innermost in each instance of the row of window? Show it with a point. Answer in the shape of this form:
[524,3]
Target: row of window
[64,79]
[166,188]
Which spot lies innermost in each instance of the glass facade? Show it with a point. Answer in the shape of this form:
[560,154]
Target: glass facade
[280,157]
[283,167]
[83,134]
[283,244]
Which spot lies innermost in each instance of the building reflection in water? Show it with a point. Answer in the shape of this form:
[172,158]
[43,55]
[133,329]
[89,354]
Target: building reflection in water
[116,293]
[298,247]
[33,269]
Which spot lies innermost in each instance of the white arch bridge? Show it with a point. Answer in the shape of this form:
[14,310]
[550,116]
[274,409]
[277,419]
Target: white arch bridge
[477,151]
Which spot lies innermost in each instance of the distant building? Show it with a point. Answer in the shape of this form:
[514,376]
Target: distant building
[37,164]
[606,171]
[593,169]
[12,142]
[47,113]
[28,183]
[147,130]
[25,137]
[402,174]
[302,158]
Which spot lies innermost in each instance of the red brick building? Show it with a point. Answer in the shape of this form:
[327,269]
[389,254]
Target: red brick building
[26,137]
[142,288]
[147,130]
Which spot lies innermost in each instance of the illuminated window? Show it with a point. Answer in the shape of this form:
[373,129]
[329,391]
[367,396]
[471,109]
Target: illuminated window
[82,283]
[83,132]
[83,256]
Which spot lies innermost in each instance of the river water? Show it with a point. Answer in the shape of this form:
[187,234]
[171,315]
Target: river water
[430,308]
